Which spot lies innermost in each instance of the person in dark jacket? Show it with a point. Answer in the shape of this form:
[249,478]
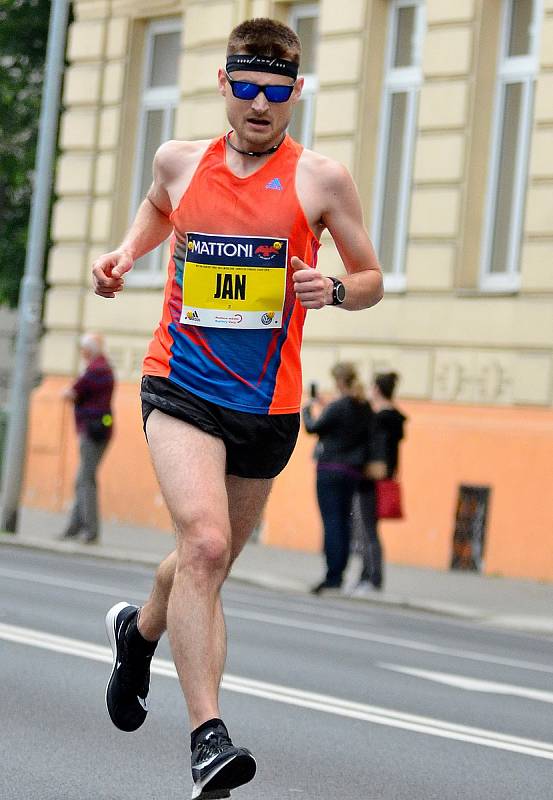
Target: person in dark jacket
[91,395]
[343,429]
[387,432]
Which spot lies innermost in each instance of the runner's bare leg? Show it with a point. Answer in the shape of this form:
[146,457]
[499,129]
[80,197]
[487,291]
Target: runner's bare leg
[213,518]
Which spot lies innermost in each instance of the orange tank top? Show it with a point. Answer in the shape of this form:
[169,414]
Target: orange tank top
[231,328]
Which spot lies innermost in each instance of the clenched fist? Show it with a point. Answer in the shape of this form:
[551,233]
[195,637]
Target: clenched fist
[108,271]
[311,286]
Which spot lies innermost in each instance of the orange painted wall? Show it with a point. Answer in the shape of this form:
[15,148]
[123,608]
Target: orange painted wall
[128,487]
[510,449]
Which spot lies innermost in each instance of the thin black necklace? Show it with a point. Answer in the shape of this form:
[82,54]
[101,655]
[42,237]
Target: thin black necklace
[268,152]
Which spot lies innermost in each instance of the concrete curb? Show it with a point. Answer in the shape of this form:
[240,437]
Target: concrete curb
[523,623]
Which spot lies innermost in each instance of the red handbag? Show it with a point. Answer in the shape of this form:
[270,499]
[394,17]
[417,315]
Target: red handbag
[388,499]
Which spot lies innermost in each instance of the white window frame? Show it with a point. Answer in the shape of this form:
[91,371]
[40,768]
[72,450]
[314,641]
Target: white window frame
[511,70]
[311,79]
[399,80]
[161,98]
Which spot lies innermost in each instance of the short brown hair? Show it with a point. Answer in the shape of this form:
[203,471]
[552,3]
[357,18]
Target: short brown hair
[265,37]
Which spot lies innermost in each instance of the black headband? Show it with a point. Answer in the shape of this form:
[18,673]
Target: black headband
[249,63]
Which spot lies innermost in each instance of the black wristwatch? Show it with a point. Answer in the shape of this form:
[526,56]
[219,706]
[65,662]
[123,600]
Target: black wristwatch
[338,292]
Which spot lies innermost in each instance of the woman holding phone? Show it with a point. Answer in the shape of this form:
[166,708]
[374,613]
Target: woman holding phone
[343,428]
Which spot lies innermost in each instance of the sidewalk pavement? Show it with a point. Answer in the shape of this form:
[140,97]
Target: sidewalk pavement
[514,604]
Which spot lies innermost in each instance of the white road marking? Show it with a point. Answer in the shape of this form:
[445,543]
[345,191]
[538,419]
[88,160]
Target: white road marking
[297,697]
[62,583]
[473,684]
[285,622]
[410,644]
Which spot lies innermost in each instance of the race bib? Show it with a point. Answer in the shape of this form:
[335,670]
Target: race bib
[234,281]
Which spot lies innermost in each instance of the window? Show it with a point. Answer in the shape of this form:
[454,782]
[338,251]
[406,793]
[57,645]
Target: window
[402,79]
[517,69]
[159,100]
[304,18]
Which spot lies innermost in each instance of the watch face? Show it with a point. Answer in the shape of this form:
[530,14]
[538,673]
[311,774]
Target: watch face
[340,292]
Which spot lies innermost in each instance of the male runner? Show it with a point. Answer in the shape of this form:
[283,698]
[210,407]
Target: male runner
[222,377]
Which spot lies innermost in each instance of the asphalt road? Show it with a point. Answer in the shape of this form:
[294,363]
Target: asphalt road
[335,699]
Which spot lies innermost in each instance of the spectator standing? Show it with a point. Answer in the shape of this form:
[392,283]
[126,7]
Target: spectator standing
[91,395]
[343,429]
[387,433]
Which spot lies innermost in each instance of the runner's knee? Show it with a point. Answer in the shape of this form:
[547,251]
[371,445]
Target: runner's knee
[204,546]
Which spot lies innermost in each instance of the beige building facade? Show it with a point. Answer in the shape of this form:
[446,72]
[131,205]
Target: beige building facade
[443,112]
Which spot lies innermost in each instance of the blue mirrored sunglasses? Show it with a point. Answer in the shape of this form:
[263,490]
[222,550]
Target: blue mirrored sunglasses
[243,90]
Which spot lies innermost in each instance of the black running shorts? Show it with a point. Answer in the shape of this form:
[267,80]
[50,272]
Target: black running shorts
[258,445]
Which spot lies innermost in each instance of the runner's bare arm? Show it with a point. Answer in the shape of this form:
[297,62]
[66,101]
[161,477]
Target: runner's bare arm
[344,219]
[150,227]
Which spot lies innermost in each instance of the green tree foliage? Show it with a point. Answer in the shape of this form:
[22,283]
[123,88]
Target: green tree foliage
[23,39]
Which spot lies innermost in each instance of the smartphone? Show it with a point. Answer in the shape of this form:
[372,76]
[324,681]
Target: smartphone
[313,391]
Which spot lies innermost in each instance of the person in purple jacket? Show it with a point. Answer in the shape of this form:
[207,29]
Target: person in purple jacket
[91,395]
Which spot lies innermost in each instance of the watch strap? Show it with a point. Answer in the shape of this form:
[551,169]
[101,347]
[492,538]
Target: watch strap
[336,285]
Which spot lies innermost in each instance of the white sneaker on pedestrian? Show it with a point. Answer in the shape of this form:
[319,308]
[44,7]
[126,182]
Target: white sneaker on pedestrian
[363,589]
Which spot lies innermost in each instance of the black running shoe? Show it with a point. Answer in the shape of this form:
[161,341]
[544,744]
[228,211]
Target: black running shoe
[321,587]
[129,683]
[218,766]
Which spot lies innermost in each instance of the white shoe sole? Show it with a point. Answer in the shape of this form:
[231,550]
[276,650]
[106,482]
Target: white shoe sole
[198,792]
[198,788]
[111,620]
